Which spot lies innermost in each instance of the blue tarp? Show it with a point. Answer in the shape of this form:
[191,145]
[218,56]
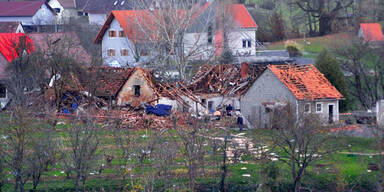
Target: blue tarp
[159,109]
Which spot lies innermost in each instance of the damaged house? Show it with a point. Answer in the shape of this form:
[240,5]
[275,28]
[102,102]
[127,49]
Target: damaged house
[302,86]
[132,87]
[220,85]
[256,90]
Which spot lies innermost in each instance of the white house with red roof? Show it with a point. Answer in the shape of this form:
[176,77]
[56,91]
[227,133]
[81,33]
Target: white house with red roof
[126,34]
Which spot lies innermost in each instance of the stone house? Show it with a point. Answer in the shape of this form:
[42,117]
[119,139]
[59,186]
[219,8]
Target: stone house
[130,87]
[126,35]
[302,87]
[29,13]
[256,90]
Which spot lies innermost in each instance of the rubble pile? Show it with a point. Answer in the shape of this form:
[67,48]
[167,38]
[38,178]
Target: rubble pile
[228,79]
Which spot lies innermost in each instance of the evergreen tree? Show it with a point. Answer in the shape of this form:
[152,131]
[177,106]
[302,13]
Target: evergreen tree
[327,64]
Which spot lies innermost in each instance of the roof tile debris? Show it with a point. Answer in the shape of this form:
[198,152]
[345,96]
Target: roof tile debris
[224,79]
[305,82]
[8,27]
[108,81]
[372,31]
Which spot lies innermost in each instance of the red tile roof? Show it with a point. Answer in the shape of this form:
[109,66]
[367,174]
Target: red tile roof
[372,31]
[43,41]
[241,15]
[305,82]
[20,8]
[9,43]
[8,27]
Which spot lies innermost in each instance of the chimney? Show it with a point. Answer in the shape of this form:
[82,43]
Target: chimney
[244,70]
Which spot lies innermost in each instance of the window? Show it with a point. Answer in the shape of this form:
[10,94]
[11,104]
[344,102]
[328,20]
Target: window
[111,52]
[319,107]
[3,91]
[210,35]
[204,101]
[137,90]
[121,34]
[124,52]
[247,43]
[307,108]
[79,13]
[210,105]
[57,10]
[112,33]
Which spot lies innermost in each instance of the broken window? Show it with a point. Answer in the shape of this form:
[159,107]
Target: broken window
[3,91]
[210,105]
[137,90]
[112,33]
[121,34]
[210,34]
[111,52]
[124,52]
[307,108]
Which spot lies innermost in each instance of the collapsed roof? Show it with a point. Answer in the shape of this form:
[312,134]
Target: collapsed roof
[225,79]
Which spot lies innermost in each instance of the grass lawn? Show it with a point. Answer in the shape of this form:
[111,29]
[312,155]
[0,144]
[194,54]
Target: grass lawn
[313,45]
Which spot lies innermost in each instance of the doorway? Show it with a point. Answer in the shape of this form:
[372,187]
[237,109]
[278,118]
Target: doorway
[330,113]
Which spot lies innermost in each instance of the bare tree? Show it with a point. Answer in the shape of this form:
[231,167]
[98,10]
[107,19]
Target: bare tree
[365,65]
[299,141]
[43,155]
[84,140]
[193,138]
[326,11]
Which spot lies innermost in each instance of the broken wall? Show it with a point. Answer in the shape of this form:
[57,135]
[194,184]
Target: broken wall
[127,93]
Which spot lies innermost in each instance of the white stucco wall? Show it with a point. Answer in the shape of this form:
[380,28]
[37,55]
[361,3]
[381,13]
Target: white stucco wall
[198,42]
[117,43]
[43,16]
[236,37]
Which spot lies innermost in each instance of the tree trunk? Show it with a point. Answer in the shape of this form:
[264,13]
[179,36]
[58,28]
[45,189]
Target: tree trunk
[325,25]
[224,173]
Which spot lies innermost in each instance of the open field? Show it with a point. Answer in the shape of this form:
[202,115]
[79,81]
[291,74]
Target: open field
[141,170]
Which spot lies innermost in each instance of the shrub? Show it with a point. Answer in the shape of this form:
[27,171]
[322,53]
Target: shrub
[293,48]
